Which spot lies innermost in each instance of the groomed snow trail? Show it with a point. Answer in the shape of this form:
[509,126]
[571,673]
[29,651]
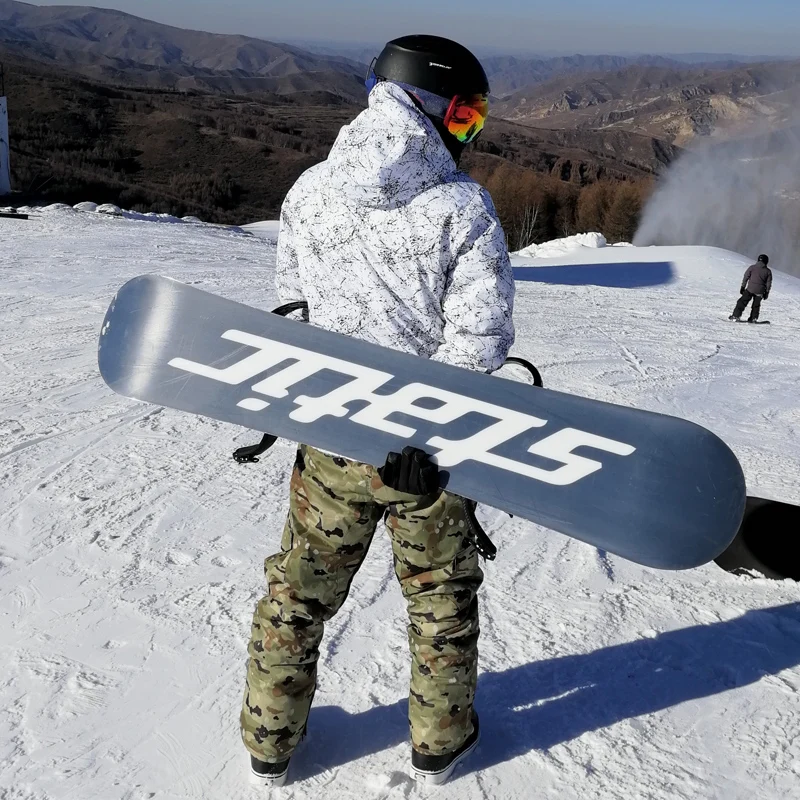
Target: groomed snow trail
[131,548]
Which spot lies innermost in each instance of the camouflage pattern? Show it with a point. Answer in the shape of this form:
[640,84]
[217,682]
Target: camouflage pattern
[335,507]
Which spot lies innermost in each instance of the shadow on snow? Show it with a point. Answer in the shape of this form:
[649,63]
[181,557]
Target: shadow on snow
[545,703]
[629,275]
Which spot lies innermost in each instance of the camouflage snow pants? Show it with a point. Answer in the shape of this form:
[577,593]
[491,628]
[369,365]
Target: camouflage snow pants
[335,507]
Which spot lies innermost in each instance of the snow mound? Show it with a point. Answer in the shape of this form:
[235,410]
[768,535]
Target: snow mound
[56,208]
[560,247]
[267,229]
[152,216]
[138,216]
[695,269]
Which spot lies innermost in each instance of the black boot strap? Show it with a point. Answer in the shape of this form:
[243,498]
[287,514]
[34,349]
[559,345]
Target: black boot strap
[249,455]
[483,544]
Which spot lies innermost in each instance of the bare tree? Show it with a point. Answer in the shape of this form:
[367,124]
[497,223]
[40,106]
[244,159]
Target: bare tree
[527,230]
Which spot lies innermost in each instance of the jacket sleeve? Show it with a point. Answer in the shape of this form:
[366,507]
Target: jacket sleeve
[287,266]
[747,275]
[478,301]
[769,281]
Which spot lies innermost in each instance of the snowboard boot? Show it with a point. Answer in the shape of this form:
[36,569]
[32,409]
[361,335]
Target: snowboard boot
[435,770]
[266,774]
[734,318]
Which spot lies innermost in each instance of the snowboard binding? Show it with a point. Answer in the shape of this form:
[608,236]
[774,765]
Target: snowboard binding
[250,455]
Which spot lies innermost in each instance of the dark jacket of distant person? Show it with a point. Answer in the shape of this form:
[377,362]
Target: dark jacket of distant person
[758,279]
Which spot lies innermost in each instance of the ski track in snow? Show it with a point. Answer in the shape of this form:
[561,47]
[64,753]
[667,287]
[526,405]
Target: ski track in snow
[131,549]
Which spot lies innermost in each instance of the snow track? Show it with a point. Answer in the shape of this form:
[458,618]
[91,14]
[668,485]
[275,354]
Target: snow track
[131,549]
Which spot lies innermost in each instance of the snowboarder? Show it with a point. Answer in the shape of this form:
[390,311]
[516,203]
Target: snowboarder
[389,242]
[756,286]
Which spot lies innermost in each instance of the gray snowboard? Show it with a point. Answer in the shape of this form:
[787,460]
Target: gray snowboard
[654,489]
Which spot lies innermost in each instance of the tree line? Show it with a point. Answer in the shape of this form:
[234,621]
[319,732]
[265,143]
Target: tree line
[535,208]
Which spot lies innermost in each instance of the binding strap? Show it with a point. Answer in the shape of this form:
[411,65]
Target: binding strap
[249,455]
[483,544]
[535,374]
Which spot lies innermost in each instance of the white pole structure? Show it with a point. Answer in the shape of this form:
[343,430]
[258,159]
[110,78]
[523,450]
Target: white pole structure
[5,167]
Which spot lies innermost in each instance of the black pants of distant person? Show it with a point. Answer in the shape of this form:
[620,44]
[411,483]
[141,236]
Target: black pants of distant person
[742,305]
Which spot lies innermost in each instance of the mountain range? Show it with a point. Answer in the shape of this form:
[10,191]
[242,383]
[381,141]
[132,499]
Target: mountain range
[677,105]
[121,48]
[672,99]
[124,50]
[135,109]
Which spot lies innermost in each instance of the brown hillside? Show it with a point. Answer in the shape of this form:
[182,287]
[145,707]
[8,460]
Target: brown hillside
[676,105]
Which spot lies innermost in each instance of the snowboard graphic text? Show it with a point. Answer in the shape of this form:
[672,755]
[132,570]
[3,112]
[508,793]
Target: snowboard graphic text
[363,384]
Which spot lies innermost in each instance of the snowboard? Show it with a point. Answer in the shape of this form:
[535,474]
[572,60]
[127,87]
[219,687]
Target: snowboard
[654,489]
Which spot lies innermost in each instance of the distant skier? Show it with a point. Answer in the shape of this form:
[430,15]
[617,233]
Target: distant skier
[756,286]
[389,242]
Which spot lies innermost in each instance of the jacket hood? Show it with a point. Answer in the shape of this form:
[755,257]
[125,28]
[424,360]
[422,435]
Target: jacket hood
[389,154]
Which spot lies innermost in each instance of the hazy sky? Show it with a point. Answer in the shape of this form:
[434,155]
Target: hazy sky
[765,27]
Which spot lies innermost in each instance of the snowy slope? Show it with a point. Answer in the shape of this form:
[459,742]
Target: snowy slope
[266,230]
[130,549]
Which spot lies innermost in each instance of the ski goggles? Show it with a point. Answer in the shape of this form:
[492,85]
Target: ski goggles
[463,115]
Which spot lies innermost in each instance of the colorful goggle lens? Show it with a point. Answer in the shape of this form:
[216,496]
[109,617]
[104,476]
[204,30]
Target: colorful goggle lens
[466,116]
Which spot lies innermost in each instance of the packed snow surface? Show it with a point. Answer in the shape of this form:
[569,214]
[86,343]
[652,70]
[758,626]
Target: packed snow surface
[131,548]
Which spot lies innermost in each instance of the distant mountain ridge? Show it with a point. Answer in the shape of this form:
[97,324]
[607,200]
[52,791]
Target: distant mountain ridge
[675,104]
[508,74]
[121,49]
[578,118]
[113,45]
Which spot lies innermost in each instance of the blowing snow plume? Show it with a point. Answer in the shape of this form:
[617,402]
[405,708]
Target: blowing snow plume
[742,195]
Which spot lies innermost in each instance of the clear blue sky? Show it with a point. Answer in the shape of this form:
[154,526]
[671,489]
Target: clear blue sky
[747,27]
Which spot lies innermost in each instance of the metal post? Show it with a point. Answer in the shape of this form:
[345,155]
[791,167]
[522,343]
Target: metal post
[5,168]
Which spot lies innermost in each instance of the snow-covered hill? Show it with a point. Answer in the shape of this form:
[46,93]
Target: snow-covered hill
[131,548]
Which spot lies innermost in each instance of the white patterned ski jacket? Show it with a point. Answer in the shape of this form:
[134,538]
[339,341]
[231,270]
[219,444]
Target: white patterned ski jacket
[387,241]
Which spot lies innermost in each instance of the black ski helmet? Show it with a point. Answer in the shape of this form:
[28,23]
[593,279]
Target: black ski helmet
[437,65]
[432,63]
[764,259]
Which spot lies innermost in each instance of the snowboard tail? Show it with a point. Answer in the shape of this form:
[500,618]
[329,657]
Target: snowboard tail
[654,489]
